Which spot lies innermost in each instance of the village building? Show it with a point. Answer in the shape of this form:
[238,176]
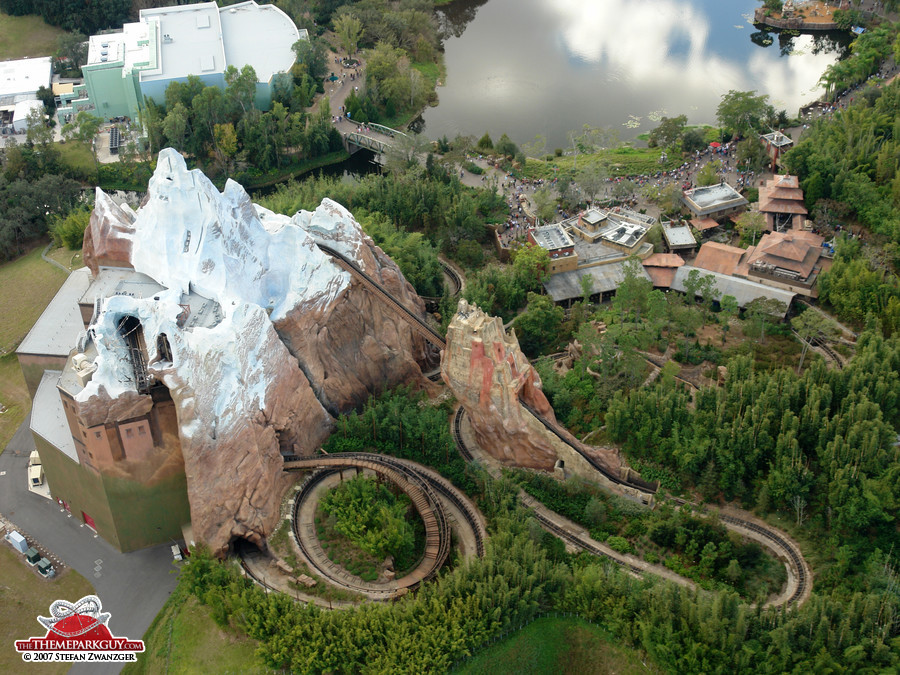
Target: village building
[678,238]
[776,144]
[660,267]
[558,244]
[566,287]
[713,201]
[593,244]
[781,202]
[720,258]
[792,260]
[705,226]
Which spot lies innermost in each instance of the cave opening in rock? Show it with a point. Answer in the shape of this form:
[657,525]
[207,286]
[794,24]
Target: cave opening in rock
[163,349]
[132,332]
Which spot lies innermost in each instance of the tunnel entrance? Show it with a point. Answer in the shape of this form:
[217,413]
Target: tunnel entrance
[131,331]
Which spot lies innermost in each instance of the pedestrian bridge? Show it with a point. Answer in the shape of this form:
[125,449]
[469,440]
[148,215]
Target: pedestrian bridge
[374,137]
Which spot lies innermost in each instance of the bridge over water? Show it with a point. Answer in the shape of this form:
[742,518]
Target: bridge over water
[375,137]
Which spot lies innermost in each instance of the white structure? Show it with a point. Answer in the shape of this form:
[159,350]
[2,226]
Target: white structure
[170,43]
[20,80]
[21,111]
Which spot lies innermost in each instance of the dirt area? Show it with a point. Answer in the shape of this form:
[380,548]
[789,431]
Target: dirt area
[810,12]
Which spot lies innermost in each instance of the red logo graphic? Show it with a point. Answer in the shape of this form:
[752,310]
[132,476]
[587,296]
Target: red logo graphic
[78,632]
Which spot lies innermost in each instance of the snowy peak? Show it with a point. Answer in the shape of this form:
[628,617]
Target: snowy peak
[189,235]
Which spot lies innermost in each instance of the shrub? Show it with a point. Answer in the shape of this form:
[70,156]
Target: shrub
[620,544]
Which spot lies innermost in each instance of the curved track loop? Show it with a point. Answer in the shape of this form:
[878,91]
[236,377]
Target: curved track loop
[453,275]
[409,317]
[422,485]
[781,545]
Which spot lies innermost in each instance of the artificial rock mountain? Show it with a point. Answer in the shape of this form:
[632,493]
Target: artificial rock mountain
[490,376]
[284,338]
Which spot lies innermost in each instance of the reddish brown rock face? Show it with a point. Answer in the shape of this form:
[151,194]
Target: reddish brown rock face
[489,374]
[107,239]
[357,346]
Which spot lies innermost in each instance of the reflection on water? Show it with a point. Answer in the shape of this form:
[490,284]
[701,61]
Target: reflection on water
[526,67]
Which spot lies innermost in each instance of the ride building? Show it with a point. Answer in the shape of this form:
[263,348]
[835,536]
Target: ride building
[168,44]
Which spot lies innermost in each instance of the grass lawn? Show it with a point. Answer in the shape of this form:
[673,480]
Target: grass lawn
[28,284]
[621,161]
[79,157]
[550,646]
[66,258]
[183,638]
[30,35]
[23,596]
[13,396]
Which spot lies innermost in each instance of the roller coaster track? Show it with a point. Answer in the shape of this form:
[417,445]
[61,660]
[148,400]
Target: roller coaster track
[646,488]
[782,547]
[421,484]
[454,277]
[455,283]
[819,343]
[399,308]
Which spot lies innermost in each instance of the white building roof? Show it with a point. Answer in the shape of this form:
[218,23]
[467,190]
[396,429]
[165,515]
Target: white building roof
[24,76]
[106,48]
[246,26]
[708,199]
[201,39]
[48,419]
[23,109]
[56,331]
[190,41]
[679,236]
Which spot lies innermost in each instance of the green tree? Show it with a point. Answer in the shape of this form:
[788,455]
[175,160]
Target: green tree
[632,294]
[240,89]
[708,175]
[668,133]
[693,140]
[176,125]
[348,29]
[751,155]
[311,54]
[750,224]
[83,128]
[591,179]
[545,203]
[810,326]
[73,48]
[69,230]
[762,310]
[743,112]
[531,266]
[538,327]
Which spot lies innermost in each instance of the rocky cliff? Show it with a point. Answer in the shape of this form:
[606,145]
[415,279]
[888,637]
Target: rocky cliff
[254,330]
[492,378]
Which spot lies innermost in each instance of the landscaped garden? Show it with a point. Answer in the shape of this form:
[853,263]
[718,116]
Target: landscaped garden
[361,523]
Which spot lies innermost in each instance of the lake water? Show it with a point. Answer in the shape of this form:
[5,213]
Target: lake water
[528,67]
